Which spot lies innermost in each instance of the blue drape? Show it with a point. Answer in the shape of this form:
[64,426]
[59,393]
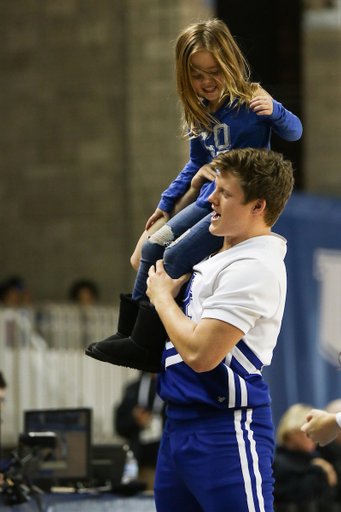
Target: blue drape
[299,372]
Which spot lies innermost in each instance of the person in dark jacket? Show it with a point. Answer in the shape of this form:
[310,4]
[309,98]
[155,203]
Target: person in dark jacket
[301,474]
[3,386]
[332,451]
[140,419]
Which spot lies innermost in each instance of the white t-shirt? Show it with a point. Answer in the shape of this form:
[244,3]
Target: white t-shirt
[246,287]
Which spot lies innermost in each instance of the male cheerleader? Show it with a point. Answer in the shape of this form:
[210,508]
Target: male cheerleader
[217,448]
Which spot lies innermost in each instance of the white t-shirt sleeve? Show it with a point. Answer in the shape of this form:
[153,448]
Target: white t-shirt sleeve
[244,291]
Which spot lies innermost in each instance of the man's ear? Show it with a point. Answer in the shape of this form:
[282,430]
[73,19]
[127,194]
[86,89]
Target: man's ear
[259,206]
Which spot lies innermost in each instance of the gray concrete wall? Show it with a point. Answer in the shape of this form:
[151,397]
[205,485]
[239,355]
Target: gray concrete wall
[322,100]
[88,135]
[89,131]
[157,153]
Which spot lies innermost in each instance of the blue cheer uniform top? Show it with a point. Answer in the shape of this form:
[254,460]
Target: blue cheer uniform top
[244,286]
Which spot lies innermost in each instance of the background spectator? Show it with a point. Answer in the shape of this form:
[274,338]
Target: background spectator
[3,385]
[301,475]
[332,451]
[84,292]
[14,292]
[140,418]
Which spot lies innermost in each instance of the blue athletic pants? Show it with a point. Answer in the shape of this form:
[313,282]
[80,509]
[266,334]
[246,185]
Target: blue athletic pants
[219,463]
[186,241]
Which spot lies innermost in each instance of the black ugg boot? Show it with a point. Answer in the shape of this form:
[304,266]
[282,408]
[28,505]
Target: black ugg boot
[129,309]
[143,349]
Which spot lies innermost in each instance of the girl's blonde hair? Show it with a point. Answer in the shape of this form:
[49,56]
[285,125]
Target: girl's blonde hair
[292,420]
[213,36]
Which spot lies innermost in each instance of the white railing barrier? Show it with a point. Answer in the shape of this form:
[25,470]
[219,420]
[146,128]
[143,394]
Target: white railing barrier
[43,361]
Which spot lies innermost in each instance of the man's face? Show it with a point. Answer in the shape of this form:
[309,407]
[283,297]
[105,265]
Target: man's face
[231,218]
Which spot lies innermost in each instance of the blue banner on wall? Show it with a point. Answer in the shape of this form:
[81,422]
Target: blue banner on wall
[305,365]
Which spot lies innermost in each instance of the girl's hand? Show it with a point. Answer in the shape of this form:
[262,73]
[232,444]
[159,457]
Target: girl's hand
[206,173]
[157,215]
[262,105]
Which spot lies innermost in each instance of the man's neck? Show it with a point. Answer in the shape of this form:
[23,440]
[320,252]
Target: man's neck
[232,241]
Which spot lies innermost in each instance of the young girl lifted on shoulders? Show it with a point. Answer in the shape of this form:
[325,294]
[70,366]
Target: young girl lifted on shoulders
[222,110]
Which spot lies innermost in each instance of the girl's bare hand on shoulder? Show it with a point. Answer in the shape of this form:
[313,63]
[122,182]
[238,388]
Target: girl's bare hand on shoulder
[157,215]
[206,173]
